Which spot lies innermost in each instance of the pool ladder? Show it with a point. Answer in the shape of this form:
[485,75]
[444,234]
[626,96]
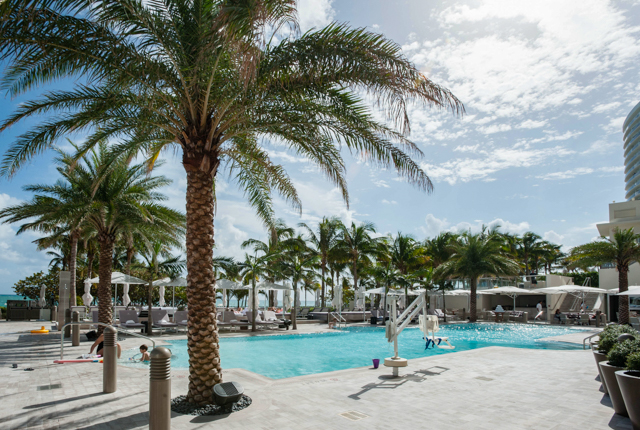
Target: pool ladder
[339,319]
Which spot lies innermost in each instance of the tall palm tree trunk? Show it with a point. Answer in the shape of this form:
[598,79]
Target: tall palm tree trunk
[472,300]
[294,313]
[324,268]
[623,302]
[73,255]
[202,337]
[104,286]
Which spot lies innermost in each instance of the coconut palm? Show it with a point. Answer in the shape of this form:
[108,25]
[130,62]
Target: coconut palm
[357,244]
[528,246]
[476,255]
[299,264]
[158,263]
[323,239]
[212,79]
[623,249]
[409,257]
[252,269]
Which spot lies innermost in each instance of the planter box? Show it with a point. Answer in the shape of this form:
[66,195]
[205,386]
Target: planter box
[609,373]
[599,358]
[629,383]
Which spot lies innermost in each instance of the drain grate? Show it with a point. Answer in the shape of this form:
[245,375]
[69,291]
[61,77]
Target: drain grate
[484,378]
[353,415]
[49,387]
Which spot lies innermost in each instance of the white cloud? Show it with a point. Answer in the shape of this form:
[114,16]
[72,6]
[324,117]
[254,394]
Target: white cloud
[572,173]
[468,169]
[553,237]
[434,226]
[387,202]
[381,184]
[604,107]
[532,124]
[315,13]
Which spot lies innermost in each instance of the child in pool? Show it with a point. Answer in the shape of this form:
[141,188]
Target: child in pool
[145,354]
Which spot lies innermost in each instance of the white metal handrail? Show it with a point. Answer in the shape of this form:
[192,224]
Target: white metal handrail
[584,342]
[97,323]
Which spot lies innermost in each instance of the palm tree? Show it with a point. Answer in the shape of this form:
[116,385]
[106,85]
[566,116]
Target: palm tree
[528,246]
[279,233]
[212,78]
[408,256]
[159,263]
[439,250]
[323,240]
[358,244]
[476,255]
[299,264]
[622,249]
[252,269]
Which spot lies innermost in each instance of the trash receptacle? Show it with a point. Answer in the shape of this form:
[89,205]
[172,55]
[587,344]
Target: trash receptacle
[374,320]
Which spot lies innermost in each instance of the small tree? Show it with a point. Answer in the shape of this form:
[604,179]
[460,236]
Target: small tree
[29,287]
[622,249]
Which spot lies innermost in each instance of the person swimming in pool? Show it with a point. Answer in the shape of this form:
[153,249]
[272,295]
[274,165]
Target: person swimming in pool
[100,344]
[145,355]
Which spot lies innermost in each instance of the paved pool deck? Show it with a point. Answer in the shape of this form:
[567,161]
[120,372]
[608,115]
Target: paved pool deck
[488,388]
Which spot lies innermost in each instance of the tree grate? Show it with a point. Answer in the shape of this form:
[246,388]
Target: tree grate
[49,387]
[353,415]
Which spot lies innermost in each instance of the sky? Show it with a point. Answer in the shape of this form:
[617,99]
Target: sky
[546,86]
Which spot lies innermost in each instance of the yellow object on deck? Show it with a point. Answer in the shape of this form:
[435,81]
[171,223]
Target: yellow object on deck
[42,330]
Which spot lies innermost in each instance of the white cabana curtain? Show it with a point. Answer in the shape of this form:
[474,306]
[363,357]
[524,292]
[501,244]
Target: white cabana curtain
[286,300]
[42,300]
[337,297]
[87,298]
[161,291]
[360,298]
[125,295]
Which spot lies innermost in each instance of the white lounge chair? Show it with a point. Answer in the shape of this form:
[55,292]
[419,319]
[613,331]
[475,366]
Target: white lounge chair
[161,321]
[180,318]
[129,320]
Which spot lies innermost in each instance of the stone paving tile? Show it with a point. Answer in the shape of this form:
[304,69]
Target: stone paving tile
[529,389]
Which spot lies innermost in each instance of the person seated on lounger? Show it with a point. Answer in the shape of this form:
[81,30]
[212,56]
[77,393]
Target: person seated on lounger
[100,344]
[557,315]
[145,354]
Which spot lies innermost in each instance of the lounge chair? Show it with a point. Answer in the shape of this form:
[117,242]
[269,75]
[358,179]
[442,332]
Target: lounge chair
[229,319]
[129,319]
[635,322]
[564,319]
[506,316]
[259,321]
[161,321]
[180,318]
[439,313]
[270,316]
[584,319]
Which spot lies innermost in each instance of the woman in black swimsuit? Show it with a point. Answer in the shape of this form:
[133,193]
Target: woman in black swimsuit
[100,343]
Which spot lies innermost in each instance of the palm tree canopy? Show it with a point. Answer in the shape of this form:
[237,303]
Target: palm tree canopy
[213,78]
[476,255]
[622,249]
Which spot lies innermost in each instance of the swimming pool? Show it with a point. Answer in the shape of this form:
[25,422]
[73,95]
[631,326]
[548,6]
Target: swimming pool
[288,355]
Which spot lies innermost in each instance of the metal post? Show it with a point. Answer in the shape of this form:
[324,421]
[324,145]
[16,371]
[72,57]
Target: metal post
[75,329]
[110,364]
[54,313]
[160,389]
[67,319]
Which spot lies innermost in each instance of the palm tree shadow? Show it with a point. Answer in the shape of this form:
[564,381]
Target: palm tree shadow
[390,382]
[140,419]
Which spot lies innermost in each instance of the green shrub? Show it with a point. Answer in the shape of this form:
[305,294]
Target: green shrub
[3,309]
[633,361]
[609,336]
[621,351]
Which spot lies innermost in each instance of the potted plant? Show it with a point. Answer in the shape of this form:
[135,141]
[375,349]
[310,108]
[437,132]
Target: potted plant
[629,383]
[608,338]
[617,361]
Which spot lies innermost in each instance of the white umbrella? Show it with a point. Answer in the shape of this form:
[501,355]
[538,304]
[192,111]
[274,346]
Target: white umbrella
[125,295]
[633,291]
[42,300]
[508,291]
[266,285]
[118,278]
[224,285]
[177,282]
[286,301]
[337,297]
[161,303]
[87,298]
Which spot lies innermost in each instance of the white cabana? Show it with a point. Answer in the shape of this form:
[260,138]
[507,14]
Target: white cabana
[118,278]
[286,300]
[632,291]
[173,283]
[87,298]
[125,294]
[42,302]
[512,292]
[574,290]
[224,285]
[161,302]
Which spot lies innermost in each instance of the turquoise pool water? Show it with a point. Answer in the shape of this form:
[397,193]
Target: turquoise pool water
[290,355]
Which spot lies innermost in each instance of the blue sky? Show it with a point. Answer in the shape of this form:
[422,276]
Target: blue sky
[546,85]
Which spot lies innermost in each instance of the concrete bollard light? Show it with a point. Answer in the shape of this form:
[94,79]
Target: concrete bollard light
[160,389]
[75,329]
[109,362]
